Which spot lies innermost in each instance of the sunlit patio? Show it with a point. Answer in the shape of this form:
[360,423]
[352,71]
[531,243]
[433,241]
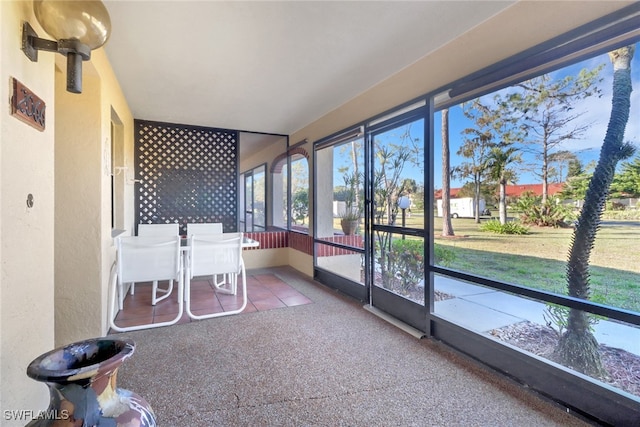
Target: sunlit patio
[265,291]
[328,362]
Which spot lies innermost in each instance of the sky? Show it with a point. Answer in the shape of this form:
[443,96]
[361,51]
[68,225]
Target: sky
[594,110]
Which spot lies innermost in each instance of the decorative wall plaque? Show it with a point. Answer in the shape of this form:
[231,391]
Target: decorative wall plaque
[26,106]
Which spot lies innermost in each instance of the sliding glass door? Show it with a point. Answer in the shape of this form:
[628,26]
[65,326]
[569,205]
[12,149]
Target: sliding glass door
[370,214]
[397,217]
[339,218]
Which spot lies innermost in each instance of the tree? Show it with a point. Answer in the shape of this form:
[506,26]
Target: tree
[476,148]
[574,168]
[447,227]
[558,162]
[499,162]
[300,206]
[546,106]
[495,126]
[577,347]
[355,151]
[577,182]
[391,157]
[627,182]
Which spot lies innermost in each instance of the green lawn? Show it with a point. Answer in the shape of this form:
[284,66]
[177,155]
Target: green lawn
[538,260]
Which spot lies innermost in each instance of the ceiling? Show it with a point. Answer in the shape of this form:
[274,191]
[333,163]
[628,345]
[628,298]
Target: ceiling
[270,66]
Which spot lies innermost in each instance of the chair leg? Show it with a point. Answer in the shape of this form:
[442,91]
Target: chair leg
[216,282]
[121,294]
[231,278]
[175,320]
[155,289]
[243,273]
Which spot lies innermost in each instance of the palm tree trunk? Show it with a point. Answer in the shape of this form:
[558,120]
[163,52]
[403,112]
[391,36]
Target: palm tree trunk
[502,204]
[447,228]
[577,347]
[356,173]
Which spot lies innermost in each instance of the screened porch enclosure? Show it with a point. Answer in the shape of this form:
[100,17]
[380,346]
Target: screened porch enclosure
[496,287]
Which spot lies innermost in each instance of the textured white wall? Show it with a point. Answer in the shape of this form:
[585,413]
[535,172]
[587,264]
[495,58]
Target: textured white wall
[78,228]
[26,234]
[84,243]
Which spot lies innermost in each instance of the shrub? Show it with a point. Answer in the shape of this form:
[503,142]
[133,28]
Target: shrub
[443,256]
[495,226]
[556,316]
[615,206]
[406,260]
[548,214]
[622,215]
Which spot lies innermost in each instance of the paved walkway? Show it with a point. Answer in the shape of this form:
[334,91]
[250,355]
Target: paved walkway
[482,309]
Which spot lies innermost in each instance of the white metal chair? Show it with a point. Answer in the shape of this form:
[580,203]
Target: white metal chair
[157,230]
[144,259]
[206,229]
[219,254]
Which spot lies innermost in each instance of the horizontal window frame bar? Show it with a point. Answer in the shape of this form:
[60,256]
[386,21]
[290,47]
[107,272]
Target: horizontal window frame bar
[608,27]
[620,314]
[551,380]
[341,137]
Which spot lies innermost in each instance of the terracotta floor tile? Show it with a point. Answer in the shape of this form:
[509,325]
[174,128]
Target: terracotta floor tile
[296,300]
[250,308]
[207,310]
[286,292]
[200,283]
[252,281]
[260,294]
[276,284]
[265,292]
[267,278]
[166,307]
[268,304]
[169,317]
[135,312]
[202,294]
[231,305]
[204,303]
[134,321]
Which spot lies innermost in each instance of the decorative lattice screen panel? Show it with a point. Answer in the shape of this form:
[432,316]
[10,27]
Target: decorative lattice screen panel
[186,174]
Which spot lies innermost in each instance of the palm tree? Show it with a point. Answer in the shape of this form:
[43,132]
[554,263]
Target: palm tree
[578,348]
[447,228]
[499,161]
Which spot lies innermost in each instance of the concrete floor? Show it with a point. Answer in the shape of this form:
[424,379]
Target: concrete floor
[326,363]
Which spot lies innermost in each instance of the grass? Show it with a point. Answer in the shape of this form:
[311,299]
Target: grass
[538,260]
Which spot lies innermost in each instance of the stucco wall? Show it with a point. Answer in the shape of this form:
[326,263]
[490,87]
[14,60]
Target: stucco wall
[84,243]
[74,180]
[113,107]
[78,155]
[26,234]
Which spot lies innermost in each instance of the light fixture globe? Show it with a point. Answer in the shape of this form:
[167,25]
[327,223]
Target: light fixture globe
[78,27]
[85,21]
[404,202]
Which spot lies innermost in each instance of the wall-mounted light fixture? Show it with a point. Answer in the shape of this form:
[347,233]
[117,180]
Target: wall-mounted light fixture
[78,26]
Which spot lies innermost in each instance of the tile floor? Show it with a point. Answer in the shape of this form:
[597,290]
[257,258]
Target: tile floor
[264,292]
